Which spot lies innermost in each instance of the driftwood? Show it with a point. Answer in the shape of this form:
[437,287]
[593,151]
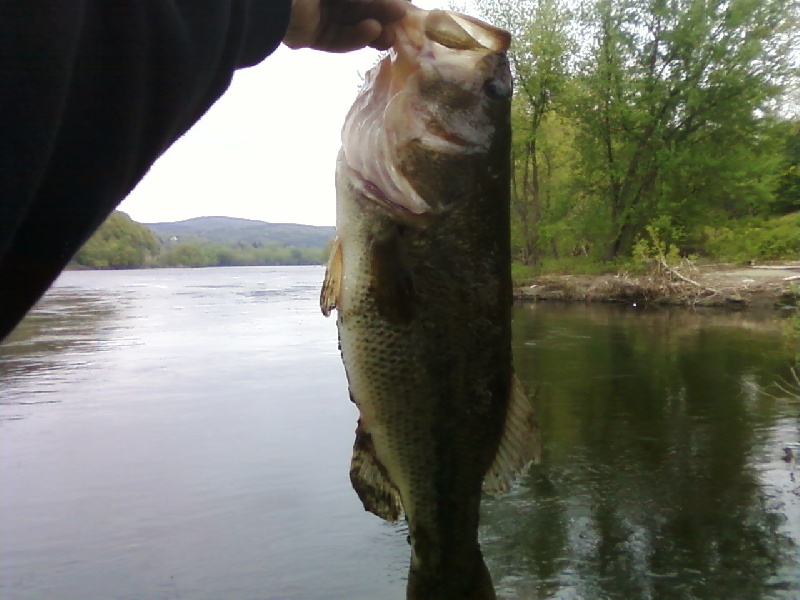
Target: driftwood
[791,267]
[787,388]
[675,272]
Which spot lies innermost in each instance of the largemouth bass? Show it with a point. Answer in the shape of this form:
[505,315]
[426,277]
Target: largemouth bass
[420,277]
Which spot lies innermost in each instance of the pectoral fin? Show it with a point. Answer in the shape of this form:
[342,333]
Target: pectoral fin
[371,481]
[520,444]
[332,284]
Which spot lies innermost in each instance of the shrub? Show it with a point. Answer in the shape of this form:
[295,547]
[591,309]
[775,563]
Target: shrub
[777,238]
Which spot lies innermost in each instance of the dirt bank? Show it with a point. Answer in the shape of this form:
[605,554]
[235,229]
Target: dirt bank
[759,286]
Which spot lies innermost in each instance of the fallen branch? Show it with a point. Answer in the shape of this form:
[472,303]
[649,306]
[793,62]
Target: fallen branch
[791,389]
[674,272]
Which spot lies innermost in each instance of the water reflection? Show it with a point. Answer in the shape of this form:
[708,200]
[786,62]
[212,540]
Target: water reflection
[662,474]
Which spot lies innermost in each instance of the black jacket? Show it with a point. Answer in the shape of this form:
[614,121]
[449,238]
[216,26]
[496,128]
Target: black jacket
[91,93]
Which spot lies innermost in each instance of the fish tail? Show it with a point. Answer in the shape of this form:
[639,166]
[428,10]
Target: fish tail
[467,584]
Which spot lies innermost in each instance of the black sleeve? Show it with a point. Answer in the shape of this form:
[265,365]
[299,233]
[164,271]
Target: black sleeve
[91,93]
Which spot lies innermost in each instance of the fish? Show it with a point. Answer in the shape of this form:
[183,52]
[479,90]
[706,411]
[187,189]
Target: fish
[419,276]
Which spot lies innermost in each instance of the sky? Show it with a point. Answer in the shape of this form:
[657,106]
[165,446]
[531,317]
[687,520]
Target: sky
[266,150]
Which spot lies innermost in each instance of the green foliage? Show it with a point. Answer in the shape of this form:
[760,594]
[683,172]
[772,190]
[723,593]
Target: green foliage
[669,109]
[120,243]
[192,254]
[186,255]
[755,239]
[787,194]
[653,250]
[522,274]
[640,116]
[539,53]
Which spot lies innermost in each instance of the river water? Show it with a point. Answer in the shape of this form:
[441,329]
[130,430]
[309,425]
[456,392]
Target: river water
[186,434]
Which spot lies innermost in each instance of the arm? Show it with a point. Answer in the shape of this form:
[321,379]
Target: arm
[91,93]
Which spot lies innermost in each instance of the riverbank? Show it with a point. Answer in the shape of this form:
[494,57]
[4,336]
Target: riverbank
[728,286]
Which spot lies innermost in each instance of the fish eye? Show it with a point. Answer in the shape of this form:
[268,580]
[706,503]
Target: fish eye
[495,89]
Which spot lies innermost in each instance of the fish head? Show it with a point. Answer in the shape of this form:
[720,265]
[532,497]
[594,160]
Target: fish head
[430,115]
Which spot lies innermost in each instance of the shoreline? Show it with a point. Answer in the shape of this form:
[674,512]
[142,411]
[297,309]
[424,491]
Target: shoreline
[720,286]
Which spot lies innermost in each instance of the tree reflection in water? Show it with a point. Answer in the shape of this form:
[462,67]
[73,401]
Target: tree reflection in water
[662,475]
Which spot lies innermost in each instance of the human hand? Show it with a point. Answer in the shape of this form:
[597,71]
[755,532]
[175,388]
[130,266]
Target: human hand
[343,25]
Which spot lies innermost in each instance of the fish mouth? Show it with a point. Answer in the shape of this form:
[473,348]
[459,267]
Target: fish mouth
[388,112]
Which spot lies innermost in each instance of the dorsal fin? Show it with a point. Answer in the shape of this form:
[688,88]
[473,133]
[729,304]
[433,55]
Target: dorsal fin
[520,444]
[371,481]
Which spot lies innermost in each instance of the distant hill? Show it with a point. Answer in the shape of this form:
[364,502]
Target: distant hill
[228,230]
[121,243]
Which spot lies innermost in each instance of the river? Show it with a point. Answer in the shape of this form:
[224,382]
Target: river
[186,434]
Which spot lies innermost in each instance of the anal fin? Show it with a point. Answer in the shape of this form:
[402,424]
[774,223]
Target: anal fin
[520,444]
[371,481]
[332,284]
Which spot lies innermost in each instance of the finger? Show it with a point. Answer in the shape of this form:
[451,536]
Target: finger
[388,11]
[345,38]
[385,40]
[303,24]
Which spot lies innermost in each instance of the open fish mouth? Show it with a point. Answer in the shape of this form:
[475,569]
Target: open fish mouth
[430,93]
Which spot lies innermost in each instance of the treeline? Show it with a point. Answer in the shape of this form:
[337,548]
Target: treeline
[121,243]
[198,254]
[647,126]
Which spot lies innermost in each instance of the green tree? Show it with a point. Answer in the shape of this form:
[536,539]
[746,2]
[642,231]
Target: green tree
[673,98]
[186,255]
[538,55]
[119,243]
[787,194]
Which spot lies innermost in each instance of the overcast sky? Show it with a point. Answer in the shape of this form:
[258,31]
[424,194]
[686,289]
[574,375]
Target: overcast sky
[266,149]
